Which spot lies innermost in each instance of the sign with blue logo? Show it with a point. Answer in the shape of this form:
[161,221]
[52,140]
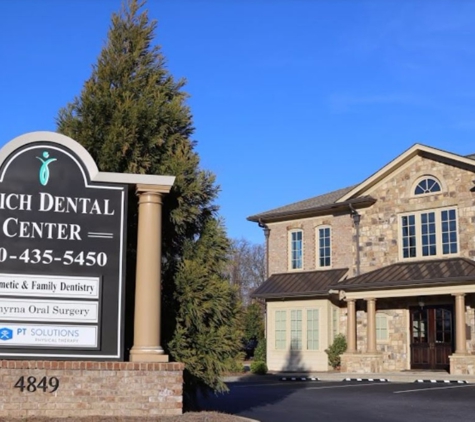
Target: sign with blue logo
[6,334]
[62,237]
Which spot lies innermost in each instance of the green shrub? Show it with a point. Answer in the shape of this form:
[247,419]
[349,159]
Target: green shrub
[260,352]
[335,350]
[258,367]
[235,365]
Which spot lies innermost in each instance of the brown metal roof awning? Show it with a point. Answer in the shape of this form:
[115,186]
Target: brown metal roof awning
[413,274]
[299,284]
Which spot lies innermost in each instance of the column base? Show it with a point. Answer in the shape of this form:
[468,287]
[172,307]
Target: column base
[462,364]
[362,363]
[147,354]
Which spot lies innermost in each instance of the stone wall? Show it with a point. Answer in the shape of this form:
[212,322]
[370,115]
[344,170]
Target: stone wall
[361,363]
[379,231]
[462,364]
[90,389]
[394,350]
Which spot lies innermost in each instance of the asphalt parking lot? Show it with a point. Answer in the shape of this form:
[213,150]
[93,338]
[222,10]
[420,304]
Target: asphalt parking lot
[280,401]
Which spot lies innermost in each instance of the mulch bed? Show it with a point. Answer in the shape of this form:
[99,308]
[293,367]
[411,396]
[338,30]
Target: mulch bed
[186,417]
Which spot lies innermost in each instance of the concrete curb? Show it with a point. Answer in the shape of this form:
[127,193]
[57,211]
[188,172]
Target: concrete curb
[335,377]
[442,381]
[367,379]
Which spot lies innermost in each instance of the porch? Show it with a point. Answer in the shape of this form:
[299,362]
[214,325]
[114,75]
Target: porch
[437,302]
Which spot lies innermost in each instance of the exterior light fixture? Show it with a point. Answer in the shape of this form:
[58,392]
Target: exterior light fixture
[421,301]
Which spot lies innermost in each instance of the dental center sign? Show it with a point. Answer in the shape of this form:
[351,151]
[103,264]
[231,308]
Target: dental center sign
[62,251]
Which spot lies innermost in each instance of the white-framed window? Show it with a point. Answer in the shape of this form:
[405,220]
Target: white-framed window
[313,332]
[280,329]
[296,330]
[296,249]
[427,185]
[381,327]
[324,246]
[335,322]
[429,233]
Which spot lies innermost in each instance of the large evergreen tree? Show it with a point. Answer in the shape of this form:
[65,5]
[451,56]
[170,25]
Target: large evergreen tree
[132,117]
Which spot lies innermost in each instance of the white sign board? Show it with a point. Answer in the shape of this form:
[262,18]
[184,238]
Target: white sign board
[48,335]
[44,310]
[49,286]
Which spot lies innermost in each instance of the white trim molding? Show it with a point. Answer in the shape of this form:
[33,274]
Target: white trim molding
[165,182]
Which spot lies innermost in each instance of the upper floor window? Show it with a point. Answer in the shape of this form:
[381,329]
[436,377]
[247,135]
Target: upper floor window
[296,249]
[429,233]
[427,185]
[324,247]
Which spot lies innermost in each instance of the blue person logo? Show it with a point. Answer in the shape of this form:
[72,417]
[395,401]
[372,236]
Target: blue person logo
[44,169]
[6,334]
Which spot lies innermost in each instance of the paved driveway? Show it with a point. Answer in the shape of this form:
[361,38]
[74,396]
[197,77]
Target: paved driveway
[280,401]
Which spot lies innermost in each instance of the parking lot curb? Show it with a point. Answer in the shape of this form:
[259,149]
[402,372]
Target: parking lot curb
[367,379]
[443,381]
[299,379]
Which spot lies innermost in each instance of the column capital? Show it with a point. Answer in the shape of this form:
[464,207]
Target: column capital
[152,189]
[370,299]
[150,198]
[458,294]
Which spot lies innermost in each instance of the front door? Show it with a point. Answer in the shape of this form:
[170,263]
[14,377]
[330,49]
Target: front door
[432,337]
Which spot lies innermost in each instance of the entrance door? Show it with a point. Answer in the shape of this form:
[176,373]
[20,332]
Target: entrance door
[432,337]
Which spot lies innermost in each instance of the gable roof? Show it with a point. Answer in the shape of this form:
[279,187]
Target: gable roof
[341,199]
[416,149]
[413,274]
[322,203]
[299,284]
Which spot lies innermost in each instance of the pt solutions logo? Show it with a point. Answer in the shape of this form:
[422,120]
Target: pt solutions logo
[6,334]
[44,169]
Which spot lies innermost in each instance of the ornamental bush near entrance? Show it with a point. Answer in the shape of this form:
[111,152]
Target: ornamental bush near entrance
[334,352]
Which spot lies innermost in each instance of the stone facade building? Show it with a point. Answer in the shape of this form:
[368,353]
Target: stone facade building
[389,263]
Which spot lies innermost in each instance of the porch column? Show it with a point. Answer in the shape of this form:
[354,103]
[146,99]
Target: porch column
[147,321]
[351,325]
[460,334]
[371,325]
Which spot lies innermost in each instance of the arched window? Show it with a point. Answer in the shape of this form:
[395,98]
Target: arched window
[427,185]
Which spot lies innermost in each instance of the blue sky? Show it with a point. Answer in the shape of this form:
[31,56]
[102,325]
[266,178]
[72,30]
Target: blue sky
[291,98]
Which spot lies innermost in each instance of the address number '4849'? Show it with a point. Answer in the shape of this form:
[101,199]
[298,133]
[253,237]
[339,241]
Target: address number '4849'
[31,384]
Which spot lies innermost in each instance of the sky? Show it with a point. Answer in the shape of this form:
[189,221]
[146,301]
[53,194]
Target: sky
[290,98]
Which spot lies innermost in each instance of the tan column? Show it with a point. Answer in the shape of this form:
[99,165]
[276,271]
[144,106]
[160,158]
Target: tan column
[351,325]
[147,346]
[460,334]
[371,325]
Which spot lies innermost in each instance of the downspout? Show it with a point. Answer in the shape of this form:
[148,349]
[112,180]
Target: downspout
[356,220]
[266,234]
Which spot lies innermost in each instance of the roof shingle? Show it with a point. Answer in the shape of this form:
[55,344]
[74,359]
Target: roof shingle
[307,204]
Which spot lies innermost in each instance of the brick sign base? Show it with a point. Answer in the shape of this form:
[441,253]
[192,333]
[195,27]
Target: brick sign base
[89,389]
